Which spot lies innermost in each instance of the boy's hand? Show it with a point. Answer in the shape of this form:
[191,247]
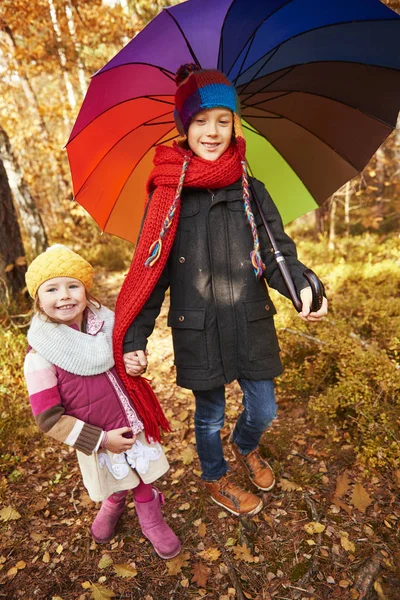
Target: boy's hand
[116,441]
[305,314]
[135,362]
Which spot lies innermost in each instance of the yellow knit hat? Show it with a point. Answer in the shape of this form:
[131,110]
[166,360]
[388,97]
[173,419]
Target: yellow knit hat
[58,261]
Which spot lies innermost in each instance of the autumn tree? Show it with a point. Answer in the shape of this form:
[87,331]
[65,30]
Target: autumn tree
[12,255]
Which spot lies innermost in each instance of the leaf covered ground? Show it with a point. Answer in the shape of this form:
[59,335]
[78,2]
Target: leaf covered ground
[329,529]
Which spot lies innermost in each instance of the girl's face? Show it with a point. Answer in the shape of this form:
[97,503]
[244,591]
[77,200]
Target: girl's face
[210,132]
[63,299]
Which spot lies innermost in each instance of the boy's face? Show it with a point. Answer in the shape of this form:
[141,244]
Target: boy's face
[210,132]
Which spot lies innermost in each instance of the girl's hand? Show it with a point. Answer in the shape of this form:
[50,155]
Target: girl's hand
[116,441]
[305,314]
[135,362]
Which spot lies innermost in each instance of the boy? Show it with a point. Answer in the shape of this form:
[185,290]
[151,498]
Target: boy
[202,237]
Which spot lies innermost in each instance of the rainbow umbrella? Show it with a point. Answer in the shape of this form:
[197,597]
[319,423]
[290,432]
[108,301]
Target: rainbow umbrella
[319,84]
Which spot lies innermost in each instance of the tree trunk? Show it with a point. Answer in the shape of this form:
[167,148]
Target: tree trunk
[347,196]
[29,215]
[332,223]
[12,254]
[71,26]
[61,55]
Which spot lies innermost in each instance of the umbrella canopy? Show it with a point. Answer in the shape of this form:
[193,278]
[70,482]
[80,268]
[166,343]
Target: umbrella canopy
[319,84]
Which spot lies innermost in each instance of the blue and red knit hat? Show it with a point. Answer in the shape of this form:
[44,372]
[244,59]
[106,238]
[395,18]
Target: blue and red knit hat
[200,89]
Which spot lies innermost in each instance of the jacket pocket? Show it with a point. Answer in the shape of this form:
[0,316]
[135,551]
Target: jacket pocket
[189,337]
[261,333]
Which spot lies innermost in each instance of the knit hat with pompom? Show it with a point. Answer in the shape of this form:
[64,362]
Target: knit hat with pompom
[58,261]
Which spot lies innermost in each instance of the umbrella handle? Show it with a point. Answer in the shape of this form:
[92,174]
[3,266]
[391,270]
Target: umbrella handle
[315,284]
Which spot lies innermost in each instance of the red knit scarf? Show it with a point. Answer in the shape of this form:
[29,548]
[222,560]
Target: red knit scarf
[141,280]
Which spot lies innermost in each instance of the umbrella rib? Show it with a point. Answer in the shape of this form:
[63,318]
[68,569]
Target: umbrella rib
[244,58]
[326,26]
[254,32]
[185,38]
[280,154]
[372,116]
[276,97]
[113,146]
[167,140]
[114,106]
[262,66]
[343,156]
[127,179]
[265,87]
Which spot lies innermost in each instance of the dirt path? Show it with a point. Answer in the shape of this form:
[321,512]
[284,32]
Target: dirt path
[327,530]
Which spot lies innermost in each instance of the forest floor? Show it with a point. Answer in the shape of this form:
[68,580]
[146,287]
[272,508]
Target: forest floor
[328,529]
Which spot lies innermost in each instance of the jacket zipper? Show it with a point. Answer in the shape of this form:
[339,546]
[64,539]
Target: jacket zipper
[212,196]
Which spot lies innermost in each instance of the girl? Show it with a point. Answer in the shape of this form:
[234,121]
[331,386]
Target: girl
[78,398]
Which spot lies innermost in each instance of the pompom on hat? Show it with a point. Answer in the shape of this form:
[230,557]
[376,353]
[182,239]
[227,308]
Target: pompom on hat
[58,261]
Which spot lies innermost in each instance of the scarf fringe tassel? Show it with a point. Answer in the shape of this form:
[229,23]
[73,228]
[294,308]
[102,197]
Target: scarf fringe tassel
[257,263]
[154,253]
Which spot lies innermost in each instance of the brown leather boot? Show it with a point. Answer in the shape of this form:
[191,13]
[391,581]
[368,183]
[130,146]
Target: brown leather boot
[260,472]
[230,496]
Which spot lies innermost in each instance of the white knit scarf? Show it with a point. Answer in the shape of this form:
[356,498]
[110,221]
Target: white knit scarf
[73,350]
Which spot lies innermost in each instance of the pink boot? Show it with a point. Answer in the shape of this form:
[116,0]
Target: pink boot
[153,526]
[104,525]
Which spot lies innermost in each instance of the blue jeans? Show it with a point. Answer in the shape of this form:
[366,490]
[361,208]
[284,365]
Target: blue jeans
[258,412]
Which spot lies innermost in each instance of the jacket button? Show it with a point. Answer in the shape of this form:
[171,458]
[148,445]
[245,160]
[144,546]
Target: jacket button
[181,318]
[267,307]
[182,259]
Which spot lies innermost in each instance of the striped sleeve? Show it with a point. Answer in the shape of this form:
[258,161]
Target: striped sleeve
[49,414]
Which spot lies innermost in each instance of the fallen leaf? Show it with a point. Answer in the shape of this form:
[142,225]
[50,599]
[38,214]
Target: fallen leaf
[11,573]
[59,549]
[222,515]
[397,476]
[40,505]
[9,514]
[310,542]
[183,415]
[379,590]
[200,574]
[46,557]
[330,579]
[125,571]
[21,564]
[202,529]
[242,552]
[175,565]
[344,583]
[210,554]
[99,592]
[289,486]
[342,485]
[105,561]
[347,544]
[185,582]
[360,499]
[314,527]
[188,455]
[230,542]
[178,474]
[86,585]
[185,506]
